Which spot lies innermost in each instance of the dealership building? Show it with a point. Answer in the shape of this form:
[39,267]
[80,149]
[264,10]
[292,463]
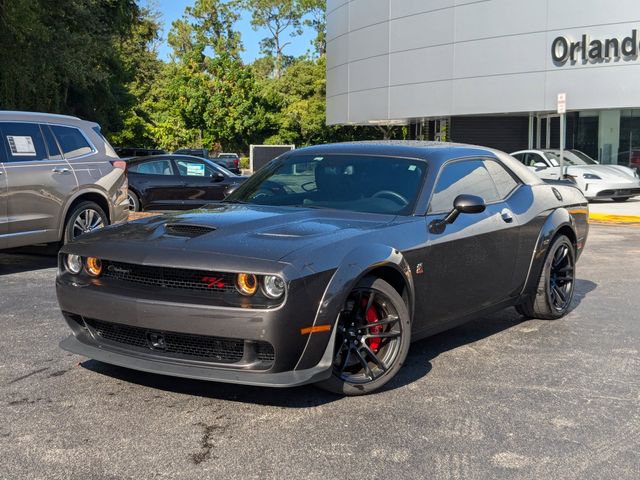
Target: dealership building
[489,72]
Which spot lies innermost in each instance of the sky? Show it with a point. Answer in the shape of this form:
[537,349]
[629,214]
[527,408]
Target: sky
[171,10]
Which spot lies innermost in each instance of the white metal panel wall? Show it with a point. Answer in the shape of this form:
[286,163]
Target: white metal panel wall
[402,59]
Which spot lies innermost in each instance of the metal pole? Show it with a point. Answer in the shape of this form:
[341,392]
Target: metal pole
[562,141]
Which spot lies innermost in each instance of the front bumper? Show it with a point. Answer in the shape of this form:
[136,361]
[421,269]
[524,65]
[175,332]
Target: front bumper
[298,359]
[611,190]
[198,372]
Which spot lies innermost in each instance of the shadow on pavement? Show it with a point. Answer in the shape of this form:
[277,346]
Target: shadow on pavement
[417,365]
[27,260]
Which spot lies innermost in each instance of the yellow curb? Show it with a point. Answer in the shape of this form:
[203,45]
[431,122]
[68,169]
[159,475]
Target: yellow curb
[606,218]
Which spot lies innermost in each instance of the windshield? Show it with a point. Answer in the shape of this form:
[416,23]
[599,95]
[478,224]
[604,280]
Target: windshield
[358,183]
[570,158]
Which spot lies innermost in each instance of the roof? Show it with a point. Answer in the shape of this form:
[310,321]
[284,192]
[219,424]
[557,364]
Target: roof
[433,151]
[40,117]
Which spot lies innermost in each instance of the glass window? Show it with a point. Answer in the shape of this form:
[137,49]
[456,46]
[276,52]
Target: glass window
[23,141]
[71,141]
[358,183]
[505,183]
[52,146]
[153,167]
[195,168]
[462,177]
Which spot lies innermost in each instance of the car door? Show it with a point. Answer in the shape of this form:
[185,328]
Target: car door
[203,182]
[157,184]
[469,266]
[39,180]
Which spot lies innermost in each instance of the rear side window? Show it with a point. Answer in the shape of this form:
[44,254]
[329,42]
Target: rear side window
[71,141]
[462,177]
[52,145]
[505,183]
[23,142]
[155,167]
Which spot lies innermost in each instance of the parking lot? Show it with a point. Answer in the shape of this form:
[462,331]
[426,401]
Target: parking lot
[496,398]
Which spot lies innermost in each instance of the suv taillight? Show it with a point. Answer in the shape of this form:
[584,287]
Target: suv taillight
[119,164]
[236,162]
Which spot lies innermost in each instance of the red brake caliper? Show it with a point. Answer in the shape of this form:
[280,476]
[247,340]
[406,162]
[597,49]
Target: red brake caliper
[372,317]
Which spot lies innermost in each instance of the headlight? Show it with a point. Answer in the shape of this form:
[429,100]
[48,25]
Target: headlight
[93,266]
[246,284]
[73,264]
[273,286]
[590,176]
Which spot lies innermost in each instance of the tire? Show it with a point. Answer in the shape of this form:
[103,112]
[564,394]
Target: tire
[621,199]
[78,217]
[364,359]
[134,201]
[553,296]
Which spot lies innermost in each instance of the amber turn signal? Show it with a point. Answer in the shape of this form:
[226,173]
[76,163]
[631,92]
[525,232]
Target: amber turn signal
[247,284]
[93,266]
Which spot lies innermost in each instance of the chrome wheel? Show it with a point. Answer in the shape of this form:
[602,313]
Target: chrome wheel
[132,203]
[87,221]
[561,277]
[369,337]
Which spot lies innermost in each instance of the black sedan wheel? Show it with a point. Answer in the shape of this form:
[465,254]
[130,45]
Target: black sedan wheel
[372,339]
[556,285]
[134,202]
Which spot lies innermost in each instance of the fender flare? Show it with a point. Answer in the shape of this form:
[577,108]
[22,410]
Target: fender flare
[557,220]
[358,263]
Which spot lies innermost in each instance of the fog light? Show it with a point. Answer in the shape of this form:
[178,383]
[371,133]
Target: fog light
[73,263]
[273,286]
[93,266]
[247,284]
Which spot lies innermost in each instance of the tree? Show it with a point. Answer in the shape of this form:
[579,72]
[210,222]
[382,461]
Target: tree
[282,18]
[314,12]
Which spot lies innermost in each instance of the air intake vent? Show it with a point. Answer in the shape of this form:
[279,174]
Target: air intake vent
[185,230]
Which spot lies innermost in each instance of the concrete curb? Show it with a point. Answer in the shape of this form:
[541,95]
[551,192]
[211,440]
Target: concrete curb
[614,219]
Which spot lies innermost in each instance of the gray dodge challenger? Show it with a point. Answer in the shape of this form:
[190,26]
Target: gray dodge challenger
[325,265]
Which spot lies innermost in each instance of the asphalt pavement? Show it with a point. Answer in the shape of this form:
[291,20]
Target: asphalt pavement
[497,398]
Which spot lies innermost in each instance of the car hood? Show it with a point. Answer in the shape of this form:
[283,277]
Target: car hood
[247,231]
[606,172]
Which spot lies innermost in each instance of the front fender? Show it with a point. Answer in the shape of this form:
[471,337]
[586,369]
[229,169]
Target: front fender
[355,265]
[558,219]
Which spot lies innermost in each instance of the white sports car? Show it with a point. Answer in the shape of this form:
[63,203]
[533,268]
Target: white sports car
[596,181]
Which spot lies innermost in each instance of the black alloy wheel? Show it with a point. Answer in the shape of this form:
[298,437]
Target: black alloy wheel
[561,281]
[372,339]
[556,285]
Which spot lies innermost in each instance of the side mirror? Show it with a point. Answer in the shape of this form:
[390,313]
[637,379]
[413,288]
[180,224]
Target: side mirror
[469,204]
[540,165]
[217,177]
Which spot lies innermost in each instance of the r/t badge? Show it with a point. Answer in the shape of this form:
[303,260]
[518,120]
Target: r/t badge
[419,269]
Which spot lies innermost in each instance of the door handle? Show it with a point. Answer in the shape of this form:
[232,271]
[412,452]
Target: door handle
[60,170]
[506,216]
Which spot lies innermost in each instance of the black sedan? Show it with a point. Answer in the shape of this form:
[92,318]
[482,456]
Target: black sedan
[324,266]
[177,182]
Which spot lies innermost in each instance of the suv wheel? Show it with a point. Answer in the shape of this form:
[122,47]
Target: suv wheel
[84,218]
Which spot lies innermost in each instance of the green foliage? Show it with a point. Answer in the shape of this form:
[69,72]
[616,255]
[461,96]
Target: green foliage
[98,59]
[64,56]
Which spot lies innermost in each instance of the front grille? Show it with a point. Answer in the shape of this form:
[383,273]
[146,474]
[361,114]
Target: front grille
[174,344]
[190,231]
[174,278]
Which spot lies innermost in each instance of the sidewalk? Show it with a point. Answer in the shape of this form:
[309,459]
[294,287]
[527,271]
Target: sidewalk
[608,211]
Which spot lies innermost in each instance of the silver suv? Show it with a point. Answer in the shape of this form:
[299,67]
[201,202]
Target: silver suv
[59,178]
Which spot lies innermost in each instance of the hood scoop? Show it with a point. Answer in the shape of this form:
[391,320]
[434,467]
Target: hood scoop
[187,230]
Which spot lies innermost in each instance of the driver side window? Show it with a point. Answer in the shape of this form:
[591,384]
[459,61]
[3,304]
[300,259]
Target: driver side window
[462,177]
